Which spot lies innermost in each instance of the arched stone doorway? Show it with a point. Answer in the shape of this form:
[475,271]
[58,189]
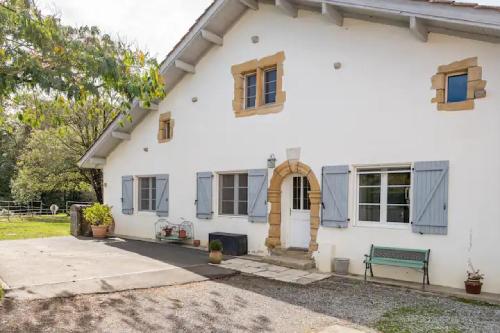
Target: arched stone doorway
[274,196]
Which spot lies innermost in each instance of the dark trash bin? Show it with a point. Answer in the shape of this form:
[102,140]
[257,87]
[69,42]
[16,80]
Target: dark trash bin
[232,244]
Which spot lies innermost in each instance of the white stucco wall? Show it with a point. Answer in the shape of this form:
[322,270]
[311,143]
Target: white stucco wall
[375,109]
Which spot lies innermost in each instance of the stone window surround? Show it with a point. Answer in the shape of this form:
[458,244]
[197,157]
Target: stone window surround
[165,119]
[259,66]
[475,84]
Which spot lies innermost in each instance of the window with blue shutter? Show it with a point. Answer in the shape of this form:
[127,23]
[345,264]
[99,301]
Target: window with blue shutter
[430,198]
[162,195]
[204,195]
[128,195]
[334,196]
[257,195]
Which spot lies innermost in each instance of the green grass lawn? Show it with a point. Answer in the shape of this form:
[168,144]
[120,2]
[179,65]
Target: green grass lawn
[34,227]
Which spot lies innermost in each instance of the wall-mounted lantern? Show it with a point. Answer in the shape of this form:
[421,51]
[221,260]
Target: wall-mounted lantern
[271,162]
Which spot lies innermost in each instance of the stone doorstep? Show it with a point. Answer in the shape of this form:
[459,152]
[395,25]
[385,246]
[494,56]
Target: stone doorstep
[432,289]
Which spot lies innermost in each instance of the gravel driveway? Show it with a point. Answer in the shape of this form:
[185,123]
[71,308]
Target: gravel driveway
[251,304]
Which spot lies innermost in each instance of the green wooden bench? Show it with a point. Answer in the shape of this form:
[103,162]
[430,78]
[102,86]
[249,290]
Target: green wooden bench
[392,256]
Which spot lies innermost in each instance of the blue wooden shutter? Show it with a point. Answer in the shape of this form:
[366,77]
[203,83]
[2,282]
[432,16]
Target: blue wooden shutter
[257,195]
[334,196]
[430,198]
[162,195]
[204,195]
[128,195]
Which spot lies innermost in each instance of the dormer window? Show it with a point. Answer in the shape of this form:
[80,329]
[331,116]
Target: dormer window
[258,86]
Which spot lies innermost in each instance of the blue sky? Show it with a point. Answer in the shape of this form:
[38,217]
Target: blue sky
[153,25]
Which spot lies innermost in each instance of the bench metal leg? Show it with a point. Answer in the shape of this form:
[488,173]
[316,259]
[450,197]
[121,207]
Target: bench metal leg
[371,270]
[427,272]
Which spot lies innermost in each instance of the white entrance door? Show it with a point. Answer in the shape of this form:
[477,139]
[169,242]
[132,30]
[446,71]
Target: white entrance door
[299,232]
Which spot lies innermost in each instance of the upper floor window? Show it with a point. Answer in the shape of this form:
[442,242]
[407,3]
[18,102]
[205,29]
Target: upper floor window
[456,88]
[258,86]
[233,194]
[250,90]
[383,195]
[458,84]
[165,127]
[270,85]
[147,193]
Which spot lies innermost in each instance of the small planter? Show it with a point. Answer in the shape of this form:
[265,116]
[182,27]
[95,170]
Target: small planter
[196,243]
[473,286]
[215,257]
[167,232]
[182,233]
[99,231]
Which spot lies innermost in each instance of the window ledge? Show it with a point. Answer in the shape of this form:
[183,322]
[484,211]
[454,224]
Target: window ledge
[261,110]
[457,106]
[146,213]
[396,226]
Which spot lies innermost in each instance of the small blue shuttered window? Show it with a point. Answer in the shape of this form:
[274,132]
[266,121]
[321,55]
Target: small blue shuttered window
[334,196]
[204,195]
[430,198]
[162,195]
[457,88]
[257,195]
[128,195]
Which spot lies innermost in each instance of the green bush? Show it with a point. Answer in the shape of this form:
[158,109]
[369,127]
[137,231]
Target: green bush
[215,245]
[98,214]
[1,294]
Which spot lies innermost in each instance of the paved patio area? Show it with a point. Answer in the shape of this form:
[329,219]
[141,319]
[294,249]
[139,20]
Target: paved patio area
[273,272]
[63,266]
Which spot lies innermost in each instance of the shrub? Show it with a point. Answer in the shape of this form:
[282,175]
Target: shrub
[1,294]
[98,214]
[215,245]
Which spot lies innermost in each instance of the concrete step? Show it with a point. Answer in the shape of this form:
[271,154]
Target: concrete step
[292,253]
[290,262]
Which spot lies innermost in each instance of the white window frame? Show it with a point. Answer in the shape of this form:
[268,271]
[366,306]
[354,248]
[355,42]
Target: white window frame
[246,90]
[236,189]
[264,93]
[383,196]
[139,195]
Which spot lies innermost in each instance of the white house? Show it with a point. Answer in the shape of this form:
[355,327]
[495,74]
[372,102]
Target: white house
[383,117]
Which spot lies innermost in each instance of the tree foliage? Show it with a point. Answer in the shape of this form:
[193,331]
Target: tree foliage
[39,52]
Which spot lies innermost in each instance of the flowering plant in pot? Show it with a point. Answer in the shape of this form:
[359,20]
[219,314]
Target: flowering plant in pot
[99,217]
[473,283]
[215,247]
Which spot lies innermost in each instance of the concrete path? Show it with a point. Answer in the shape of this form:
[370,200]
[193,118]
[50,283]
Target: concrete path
[273,272]
[65,266]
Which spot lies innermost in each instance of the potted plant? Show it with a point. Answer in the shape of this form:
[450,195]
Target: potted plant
[473,283]
[99,217]
[215,247]
[182,233]
[196,243]
[167,231]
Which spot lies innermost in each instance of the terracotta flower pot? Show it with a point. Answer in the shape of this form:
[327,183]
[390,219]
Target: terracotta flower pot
[99,231]
[215,257]
[473,286]
[182,233]
[196,243]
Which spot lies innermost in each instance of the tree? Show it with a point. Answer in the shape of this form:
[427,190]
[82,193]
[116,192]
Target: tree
[38,52]
[70,128]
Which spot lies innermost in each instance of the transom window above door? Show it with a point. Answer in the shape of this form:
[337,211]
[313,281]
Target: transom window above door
[383,195]
[301,188]
[233,194]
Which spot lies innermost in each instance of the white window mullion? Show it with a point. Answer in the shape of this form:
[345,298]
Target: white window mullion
[383,198]
[236,193]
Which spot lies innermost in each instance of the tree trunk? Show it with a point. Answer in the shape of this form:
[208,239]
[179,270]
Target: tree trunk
[96,182]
